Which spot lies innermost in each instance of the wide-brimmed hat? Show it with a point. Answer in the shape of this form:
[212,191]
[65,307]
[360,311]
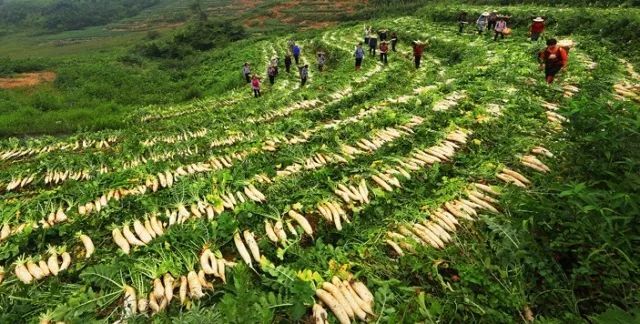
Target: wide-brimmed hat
[485,13]
[538,19]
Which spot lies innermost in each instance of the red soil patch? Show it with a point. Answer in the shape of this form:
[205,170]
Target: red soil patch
[25,80]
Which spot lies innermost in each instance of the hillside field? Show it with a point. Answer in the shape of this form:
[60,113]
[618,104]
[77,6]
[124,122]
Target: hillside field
[137,188]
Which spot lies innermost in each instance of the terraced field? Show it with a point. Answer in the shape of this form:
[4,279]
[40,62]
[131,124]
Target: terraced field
[345,200]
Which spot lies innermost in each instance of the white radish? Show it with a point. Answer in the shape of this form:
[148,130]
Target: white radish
[304,223]
[253,245]
[44,268]
[362,291]
[131,238]
[350,300]
[120,240]
[242,249]
[195,288]
[334,305]
[319,314]
[130,302]
[271,234]
[335,292]
[168,286]
[35,270]
[52,264]
[66,261]
[221,270]
[23,274]
[88,246]
[183,289]
[279,229]
[149,228]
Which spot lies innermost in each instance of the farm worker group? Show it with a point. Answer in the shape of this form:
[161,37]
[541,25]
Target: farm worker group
[553,58]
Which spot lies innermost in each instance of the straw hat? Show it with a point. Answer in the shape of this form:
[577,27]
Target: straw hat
[538,19]
[485,14]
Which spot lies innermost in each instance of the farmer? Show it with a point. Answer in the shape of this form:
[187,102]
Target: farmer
[287,62]
[384,49]
[536,29]
[382,34]
[394,41]
[492,20]
[255,85]
[418,48]
[304,74]
[359,55]
[296,53]
[271,73]
[462,20]
[499,28]
[321,61]
[275,61]
[553,59]
[367,34]
[291,44]
[482,22]
[373,44]
[246,71]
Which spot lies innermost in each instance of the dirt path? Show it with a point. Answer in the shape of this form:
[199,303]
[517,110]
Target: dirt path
[25,80]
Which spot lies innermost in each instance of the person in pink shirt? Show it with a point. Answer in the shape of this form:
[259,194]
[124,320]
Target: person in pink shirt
[501,25]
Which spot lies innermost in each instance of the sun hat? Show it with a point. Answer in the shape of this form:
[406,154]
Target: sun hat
[538,19]
[485,13]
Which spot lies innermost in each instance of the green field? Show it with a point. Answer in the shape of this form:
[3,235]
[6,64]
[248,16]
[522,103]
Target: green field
[465,191]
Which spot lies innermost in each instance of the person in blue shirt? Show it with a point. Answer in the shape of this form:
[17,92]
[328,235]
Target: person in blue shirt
[359,54]
[296,53]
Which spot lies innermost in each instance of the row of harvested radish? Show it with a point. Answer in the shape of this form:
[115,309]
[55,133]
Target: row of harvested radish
[271,115]
[624,90]
[276,232]
[513,177]
[334,213]
[164,179]
[169,113]
[27,270]
[442,222]
[172,139]
[569,90]
[61,146]
[7,231]
[376,141]
[347,299]
[449,101]
[145,231]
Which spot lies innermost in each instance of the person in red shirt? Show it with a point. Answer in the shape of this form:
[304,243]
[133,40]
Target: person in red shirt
[255,85]
[537,28]
[553,59]
[418,48]
[384,49]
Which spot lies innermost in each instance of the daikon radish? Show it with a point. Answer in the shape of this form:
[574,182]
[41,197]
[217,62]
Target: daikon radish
[195,288]
[516,175]
[120,240]
[130,301]
[366,306]
[44,268]
[335,292]
[302,221]
[253,245]
[35,270]
[242,249]
[362,291]
[361,314]
[168,287]
[131,238]
[158,289]
[334,305]
[221,270]
[271,234]
[279,230]
[66,261]
[23,273]
[52,263]
[395,247]
[319,314]
[88,245]
[183,289]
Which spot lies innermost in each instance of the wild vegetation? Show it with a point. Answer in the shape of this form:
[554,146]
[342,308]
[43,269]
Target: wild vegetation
[465,191]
